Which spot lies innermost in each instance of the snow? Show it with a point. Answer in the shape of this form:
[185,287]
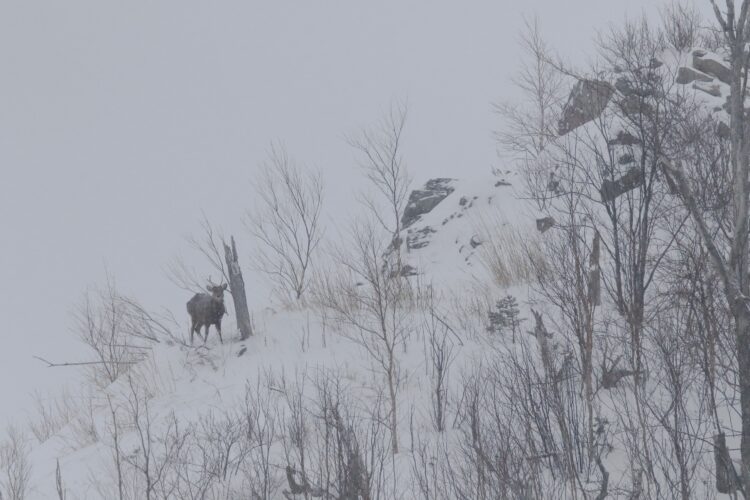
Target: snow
[193,381]
[294,343]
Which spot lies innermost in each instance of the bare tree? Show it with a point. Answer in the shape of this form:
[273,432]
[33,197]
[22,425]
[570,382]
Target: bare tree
[51,414]
[59,486]
[439,354]
[676,389]
[237,289]
[529,125]
[381,155]
[681,26]
[222,258]
[110,325]
[115,433]
[15,468]
[286,222]
[261,429]
[351,453]
[209,246]
[363,295]
[156,453]
[598,179]
[729,255]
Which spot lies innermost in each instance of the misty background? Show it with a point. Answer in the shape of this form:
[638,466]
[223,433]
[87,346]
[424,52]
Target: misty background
[122,123]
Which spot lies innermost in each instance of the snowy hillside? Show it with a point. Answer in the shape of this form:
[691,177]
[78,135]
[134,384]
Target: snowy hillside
[237,403]
[444,246]
[555,330]
[316,405]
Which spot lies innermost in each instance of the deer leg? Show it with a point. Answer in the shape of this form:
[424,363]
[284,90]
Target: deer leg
[195,327]
[205,337]
[218,330]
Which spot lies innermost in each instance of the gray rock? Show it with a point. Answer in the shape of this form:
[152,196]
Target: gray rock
[713,89]
[687,75]
[422,201]
[711,66]
[723,130]
[420,238]
[633,105]
[587,100]
[624,139]
[646,86]
[623,85]
[406,271]
[611,189]
[545,223]
[553,183]
[625,159]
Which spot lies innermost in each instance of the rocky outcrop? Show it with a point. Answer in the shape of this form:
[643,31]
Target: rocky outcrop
[633,105]
[624,139]
[687,75]
[419,238]
[723,130]
[406,271]
[647,85]
[545,223]
[713,89]
[710,64]
[587,101]
[422,201]
[611,189]
[625,159]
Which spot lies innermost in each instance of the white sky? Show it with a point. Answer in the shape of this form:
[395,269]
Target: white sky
[121,121]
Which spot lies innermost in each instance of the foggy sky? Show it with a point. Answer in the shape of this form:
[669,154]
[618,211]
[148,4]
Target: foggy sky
[122,122]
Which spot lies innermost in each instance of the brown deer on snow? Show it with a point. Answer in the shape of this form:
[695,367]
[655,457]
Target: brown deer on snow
[206,309]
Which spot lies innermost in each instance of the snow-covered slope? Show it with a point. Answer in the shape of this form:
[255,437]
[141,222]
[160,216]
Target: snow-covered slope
[178,393]
[226,421]
[444,246]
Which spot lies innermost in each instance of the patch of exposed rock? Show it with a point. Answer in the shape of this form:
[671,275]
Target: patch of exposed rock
[713,89]
[710,64]
[422,201]
[545,223]
[630,180]
[587,101]
[687,75]
[418,238]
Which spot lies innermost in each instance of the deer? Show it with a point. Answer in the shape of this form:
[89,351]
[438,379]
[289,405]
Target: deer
[206,309]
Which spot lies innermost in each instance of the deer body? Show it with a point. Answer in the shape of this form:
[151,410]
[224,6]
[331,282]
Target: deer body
[206,309]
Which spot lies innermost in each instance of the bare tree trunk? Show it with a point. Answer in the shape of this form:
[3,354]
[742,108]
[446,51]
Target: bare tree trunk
[237,287]
[116,451]
[392,395]
[734,269]
[738,261]
[59,483]
[594,299]
[384,166]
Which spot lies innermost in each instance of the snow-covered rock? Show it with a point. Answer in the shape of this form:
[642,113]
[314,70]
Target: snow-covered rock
[587,101]
[421,201]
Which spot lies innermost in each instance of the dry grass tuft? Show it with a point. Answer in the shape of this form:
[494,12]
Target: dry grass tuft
[511,256]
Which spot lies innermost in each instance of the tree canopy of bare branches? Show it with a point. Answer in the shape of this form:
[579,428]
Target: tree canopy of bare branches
[286,222]
[381,158]
[365,297]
